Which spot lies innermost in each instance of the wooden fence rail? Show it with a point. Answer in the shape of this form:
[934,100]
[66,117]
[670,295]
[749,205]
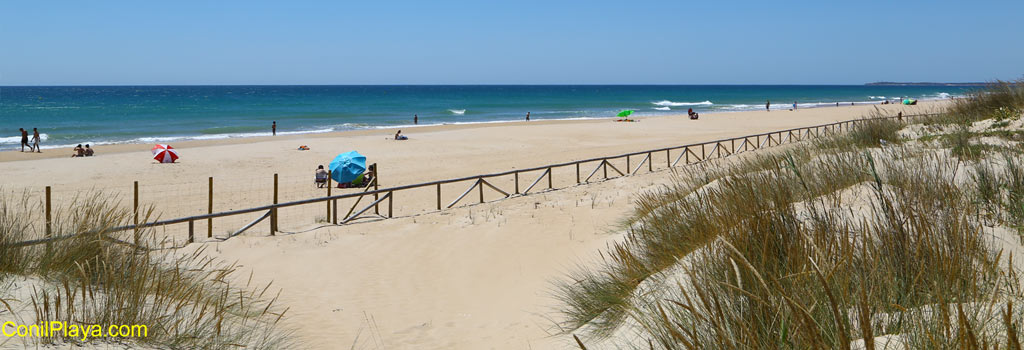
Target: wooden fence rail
[687,155]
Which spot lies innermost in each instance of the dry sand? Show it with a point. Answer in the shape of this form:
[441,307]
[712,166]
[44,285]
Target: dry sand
[474,277]
[432,153]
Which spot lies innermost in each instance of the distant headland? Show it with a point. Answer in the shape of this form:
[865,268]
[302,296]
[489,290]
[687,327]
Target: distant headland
[891,83]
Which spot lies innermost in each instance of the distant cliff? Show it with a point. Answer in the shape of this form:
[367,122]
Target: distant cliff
[890,83]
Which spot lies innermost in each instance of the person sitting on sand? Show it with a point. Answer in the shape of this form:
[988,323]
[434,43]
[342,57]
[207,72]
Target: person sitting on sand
[399,136]
[363,180]
[88,151]
[78,152]
[371,173]
[321,176]
[693,115]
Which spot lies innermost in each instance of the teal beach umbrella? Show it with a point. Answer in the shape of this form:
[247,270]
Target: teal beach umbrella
[347,166]
[626,113]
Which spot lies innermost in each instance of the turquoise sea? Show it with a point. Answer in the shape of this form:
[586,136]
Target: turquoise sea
[100,115]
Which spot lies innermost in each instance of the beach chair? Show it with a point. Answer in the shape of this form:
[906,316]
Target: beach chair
[321,180]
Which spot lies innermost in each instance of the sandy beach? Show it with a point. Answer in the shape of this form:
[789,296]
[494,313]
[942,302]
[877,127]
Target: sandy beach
[468,278]
[465,148]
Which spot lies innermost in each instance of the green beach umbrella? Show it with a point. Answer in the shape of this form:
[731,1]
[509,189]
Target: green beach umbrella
[625,113]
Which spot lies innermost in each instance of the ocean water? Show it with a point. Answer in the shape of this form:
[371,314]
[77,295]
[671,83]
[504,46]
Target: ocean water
[102,115]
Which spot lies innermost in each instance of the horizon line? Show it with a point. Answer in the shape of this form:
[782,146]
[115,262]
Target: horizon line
[878,83]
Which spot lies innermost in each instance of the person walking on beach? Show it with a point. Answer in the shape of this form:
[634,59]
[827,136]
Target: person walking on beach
[768,105]
[35,140]
[415,119]
[273,128]
[794,105]
[25,139]
[527,116]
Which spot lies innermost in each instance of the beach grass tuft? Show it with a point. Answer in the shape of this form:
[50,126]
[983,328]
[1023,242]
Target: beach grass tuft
[100,277]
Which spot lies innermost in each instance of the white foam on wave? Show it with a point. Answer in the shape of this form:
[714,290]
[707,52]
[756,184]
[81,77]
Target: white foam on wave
[223,136]
[877,97]
[16,140]
[517,120]
[168,139]
[667,103]
[52,107]
[663,108]
[457,111]
[738,107]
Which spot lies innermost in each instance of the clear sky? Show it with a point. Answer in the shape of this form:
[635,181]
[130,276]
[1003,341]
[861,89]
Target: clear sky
[507,42]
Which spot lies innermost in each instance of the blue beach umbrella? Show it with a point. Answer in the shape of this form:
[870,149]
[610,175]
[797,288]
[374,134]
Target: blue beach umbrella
[347,166]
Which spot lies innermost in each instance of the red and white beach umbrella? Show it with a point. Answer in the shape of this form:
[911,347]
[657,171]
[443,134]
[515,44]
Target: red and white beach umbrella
[165,153]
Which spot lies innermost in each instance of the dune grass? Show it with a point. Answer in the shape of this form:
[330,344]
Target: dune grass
[999,100]
[845,239]
[185,301]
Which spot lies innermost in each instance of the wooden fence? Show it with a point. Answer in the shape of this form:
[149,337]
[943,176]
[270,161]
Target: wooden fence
[673,156]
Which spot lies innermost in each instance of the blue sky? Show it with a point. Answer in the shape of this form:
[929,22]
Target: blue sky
[508,42]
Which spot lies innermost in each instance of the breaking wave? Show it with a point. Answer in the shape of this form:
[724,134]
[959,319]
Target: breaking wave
[16,140]
[667,103]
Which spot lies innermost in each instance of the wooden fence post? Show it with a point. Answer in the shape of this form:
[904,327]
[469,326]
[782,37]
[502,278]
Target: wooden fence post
[549,179]
[191,231]
[209,222]
[376,186]
[329,202]
[273,212]
[668,158]
[480,186]
[577,173]
[650,162]
[604,164]
[135,212]
[517,181]
[135,204]
[49,218]
[438,196]
[627,163]
[391,198]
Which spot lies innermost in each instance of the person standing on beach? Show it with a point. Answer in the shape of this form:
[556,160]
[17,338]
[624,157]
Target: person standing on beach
[273,128]
[415,119]
[24,140]
[527,116]
[768,105]
[794,105]
[35,140]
